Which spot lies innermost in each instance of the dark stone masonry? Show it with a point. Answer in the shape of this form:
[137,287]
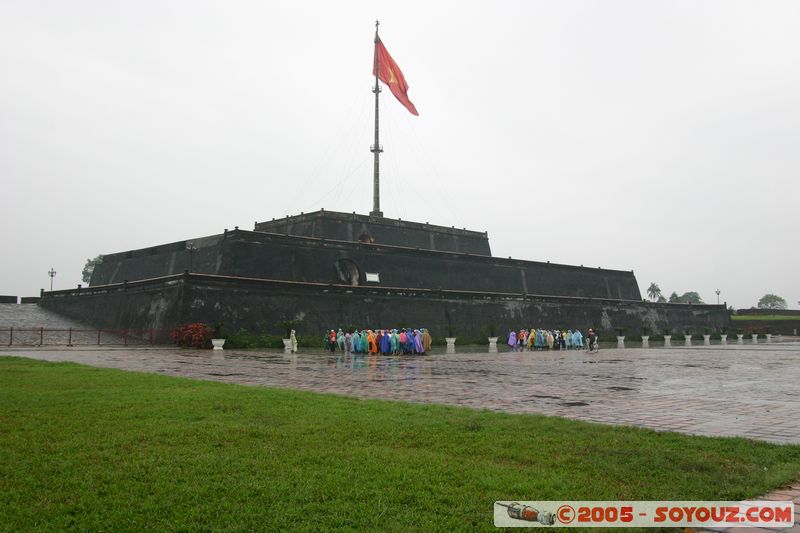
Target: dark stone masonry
[362,228]
[336,269]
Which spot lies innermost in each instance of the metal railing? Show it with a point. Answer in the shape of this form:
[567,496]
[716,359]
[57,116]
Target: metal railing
[14,336]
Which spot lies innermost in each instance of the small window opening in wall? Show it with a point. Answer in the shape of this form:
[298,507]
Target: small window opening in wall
[373,277]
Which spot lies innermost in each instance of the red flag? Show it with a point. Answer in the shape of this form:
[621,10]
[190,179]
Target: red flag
[389,73]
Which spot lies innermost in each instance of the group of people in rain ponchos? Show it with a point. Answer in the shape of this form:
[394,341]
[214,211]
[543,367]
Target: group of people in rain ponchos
[545,339]
[384,341]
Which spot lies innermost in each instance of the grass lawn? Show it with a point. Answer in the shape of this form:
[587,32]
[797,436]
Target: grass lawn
[765,317]
[86,448]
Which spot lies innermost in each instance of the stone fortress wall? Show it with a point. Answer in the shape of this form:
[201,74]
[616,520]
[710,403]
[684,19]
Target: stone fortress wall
[310,259]
[257,305]
[749,321]
[362,228]
[336,269]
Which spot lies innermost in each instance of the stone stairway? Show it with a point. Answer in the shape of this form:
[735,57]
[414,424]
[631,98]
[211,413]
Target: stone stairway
[33,316]
[31,325]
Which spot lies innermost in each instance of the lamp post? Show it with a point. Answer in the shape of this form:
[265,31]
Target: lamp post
[52,274]
[192,249]
[717,291]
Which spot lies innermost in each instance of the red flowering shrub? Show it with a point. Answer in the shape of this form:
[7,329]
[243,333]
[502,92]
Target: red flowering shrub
[197,335]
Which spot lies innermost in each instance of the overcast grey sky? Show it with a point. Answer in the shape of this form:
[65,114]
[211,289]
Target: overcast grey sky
[662,137]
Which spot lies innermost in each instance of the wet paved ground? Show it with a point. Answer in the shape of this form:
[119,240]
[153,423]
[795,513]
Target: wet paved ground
[790,492]
[749,390]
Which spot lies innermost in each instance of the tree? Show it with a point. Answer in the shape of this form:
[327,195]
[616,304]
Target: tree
[691,298]
[88,269]
[685,298]
[661,299]
[771,301]
[653,291]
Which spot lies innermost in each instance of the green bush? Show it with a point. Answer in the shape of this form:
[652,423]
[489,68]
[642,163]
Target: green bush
[311,341]
[243,339]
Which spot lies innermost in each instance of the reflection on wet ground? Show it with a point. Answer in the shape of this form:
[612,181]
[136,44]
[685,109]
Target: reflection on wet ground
[749,390]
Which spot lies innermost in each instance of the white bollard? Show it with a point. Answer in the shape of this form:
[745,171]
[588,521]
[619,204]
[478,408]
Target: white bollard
[492,344]
[451,344]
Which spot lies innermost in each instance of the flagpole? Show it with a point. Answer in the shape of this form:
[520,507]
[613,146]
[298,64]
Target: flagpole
[376,148]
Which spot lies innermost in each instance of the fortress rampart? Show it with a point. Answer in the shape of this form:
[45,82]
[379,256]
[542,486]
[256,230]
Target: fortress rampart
[330,269]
